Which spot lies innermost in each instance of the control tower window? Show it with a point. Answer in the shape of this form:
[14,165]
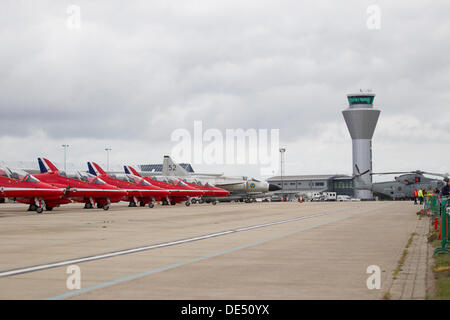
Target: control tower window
[361,100]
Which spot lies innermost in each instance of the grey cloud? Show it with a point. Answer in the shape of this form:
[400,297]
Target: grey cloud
[143,70]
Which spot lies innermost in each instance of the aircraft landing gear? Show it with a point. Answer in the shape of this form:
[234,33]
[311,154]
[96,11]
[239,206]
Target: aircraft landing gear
[39,210]
[132,204]
[48,208]
[172,203]
[194,201]
[151,205]
[165,203]
[142,204]
[187,203]
[88,205]
[106,207]
[32,207]
[214,202]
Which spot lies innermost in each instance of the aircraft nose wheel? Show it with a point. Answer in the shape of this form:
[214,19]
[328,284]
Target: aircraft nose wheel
[106,207]
[151,205]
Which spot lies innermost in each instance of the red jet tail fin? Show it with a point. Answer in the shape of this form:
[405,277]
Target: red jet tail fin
[133,171]
[99,169]
[51,166]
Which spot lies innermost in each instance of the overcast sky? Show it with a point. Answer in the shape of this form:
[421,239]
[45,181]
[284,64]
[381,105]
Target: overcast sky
[131,75]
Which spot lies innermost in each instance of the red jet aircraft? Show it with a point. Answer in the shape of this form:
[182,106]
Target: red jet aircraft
[82,188]
[179,191]
[139,190]
[25,188]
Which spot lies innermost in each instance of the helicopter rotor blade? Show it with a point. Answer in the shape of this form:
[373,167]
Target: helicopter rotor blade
[394,172]
[365,172]
[361,174]
[445,175]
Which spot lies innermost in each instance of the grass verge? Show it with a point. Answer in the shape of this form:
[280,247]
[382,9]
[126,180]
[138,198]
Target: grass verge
[441,267]
[441,272]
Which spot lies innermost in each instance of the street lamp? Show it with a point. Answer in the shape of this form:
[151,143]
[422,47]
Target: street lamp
[282,151]
[65,146]
[107,158]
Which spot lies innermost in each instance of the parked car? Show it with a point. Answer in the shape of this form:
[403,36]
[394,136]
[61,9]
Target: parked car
[343,197]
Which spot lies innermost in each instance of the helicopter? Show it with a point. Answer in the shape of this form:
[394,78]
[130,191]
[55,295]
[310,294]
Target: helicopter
[403,185]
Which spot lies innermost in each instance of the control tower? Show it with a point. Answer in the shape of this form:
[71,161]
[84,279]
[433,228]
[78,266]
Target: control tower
[361,119]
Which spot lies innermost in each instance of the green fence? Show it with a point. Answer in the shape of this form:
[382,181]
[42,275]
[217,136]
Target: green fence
[444,211]
[432,206]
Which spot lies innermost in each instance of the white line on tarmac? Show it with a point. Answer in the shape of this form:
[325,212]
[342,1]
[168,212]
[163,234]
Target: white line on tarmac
[14,272]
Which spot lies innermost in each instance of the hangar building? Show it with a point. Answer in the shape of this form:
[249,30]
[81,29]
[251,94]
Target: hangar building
[292,186]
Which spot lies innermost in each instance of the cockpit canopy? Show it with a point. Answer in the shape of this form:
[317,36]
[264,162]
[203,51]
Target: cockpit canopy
[144,183]
[197,182]
[4,173]
[164,179]
[30,178]
[89,178]
[181,183]
[18,174]
[133,179]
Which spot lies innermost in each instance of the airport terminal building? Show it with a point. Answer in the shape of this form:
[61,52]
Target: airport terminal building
[293,186]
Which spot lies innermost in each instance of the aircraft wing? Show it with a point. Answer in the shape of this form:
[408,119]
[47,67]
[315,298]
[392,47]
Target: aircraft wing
[228,184]
[206,174]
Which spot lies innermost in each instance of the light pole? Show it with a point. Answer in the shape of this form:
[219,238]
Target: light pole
[282,151]
[107,158]
[65,146]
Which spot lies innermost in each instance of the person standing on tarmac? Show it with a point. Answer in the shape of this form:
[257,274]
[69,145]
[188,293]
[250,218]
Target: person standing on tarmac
[445,191]
[416,194]
[420,195]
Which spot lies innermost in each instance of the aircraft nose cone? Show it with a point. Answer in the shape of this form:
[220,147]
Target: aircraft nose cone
[274,187]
